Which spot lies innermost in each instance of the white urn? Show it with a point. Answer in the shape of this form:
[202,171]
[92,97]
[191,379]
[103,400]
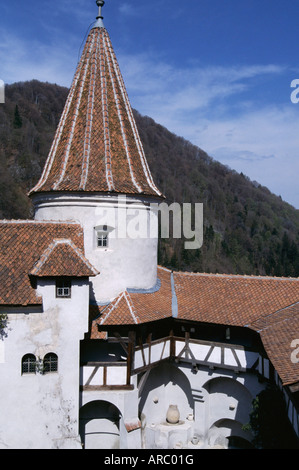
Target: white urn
[173,414]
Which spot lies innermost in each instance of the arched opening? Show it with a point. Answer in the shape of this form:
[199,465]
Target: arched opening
[166,385]
[229,399]
[99,425]
[229,434]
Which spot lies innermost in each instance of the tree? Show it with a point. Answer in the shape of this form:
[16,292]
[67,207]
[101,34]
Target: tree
[269,422]
[17,122]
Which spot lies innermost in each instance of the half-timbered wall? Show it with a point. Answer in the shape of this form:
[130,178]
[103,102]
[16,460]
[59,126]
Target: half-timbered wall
[213,383]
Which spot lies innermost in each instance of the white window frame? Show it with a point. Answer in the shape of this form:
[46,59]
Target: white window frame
[102,240]
[63,289]
[102,233]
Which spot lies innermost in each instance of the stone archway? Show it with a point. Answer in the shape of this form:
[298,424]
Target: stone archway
[165,385]
[229,404]
[99,425]
[228,433]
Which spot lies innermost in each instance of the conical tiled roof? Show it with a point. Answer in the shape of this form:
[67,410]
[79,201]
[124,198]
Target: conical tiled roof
[97,147]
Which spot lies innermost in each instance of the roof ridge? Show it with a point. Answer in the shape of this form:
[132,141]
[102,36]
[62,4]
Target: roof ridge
[164,269]
[49,250]
[233,276]
[131,307]
[111,307]
[31,221]
[279,320]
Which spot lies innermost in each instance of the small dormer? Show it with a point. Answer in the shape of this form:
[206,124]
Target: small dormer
[60,265]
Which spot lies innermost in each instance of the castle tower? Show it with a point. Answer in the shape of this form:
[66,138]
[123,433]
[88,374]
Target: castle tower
[97,174]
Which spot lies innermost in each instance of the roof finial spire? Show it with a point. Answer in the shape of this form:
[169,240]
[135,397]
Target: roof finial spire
[100,4]
[99,23]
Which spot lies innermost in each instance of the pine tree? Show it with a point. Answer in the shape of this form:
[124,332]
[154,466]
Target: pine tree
[17,123]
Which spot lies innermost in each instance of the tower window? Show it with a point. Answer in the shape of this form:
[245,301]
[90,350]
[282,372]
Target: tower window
[63,288]
[102,239]
[102,234]
[50,363]
[29,364]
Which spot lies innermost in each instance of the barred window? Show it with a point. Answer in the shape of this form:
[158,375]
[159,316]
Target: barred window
[29,364]
[63,288]
[50,363]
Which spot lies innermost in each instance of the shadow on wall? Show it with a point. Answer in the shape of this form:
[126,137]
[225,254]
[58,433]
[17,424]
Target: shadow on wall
[99,425]
[166,385]
[228,406]
[228,433]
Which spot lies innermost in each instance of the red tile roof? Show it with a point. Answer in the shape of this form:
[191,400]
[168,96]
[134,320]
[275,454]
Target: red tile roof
[277,332]
[231,299]
[63,258]
[97,146]
[267,305]
[135,308]
[22,246]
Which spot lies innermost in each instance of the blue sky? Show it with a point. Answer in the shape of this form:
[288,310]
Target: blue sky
[216,72]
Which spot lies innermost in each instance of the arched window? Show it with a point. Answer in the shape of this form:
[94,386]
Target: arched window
[29,364]
[50,363]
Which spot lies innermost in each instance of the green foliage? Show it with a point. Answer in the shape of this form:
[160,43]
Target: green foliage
[244,223]
[3,325]
[269,422]
[247,230]
[17,122]
[28,120]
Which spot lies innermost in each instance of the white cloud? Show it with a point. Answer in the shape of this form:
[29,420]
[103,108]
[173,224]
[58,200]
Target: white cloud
[128,10]
[214,109]
[263,144]
[194,102]
[21,61]
[152,82]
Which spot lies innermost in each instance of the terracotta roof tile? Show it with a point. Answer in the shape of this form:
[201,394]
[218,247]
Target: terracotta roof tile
[232,300]
[136,307]
[63,258]
[277,332]
[267,305]
[97,147]
[22,244]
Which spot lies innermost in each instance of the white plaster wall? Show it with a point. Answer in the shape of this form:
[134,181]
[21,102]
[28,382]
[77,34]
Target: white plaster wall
[220,395]
[200,351]
[166,385]
[126,401]
[99,426]
[40,411]
[128,262]
[157,352]
[212,396]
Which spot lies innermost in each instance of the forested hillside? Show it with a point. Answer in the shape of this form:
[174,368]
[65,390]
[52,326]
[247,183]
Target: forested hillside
[247,230]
